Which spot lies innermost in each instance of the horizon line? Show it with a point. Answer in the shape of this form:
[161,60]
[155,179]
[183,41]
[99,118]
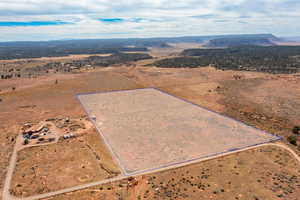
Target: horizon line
[163,37]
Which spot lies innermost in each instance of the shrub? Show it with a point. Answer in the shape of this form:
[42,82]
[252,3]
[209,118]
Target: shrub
[26,141]
[292,140]
[296,130]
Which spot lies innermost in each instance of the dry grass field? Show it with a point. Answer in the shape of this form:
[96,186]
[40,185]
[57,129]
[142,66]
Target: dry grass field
[40,100]
[266,173]
[64,164]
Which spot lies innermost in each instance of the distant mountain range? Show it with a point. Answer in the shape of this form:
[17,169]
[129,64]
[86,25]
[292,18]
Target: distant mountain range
[140,42]
[291,39]
[14,50]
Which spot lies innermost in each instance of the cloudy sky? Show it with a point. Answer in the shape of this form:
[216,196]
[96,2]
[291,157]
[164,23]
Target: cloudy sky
[70,19]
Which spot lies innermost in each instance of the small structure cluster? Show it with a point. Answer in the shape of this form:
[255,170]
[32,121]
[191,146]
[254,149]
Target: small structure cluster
[36,134]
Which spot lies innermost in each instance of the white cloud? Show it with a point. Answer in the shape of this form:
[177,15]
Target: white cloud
[159,18]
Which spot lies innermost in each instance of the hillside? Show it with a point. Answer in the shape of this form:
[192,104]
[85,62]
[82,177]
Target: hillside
[259,40]
[271,59]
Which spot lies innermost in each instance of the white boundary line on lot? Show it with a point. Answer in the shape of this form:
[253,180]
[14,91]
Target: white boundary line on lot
[114,155]
[118,160]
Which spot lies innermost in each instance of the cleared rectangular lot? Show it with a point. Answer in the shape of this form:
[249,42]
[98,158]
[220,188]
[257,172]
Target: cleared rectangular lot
[147,129]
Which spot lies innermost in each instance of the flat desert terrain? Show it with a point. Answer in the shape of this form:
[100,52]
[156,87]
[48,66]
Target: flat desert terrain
[270,102]
[148,129]
[264,173]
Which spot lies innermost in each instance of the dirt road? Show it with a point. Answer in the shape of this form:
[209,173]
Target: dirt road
[7,196]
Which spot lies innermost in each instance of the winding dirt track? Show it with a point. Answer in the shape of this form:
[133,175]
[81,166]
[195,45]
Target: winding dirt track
[10,170]
[8,196]
[12,165]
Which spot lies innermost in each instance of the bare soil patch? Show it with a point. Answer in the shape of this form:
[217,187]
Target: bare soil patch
[147,129]
[79,56]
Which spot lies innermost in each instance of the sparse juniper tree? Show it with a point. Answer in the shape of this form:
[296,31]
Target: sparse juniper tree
[26,141]
[292,140]
[296,130]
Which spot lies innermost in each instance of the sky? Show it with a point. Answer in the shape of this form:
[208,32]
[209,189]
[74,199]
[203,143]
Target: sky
[33,20]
